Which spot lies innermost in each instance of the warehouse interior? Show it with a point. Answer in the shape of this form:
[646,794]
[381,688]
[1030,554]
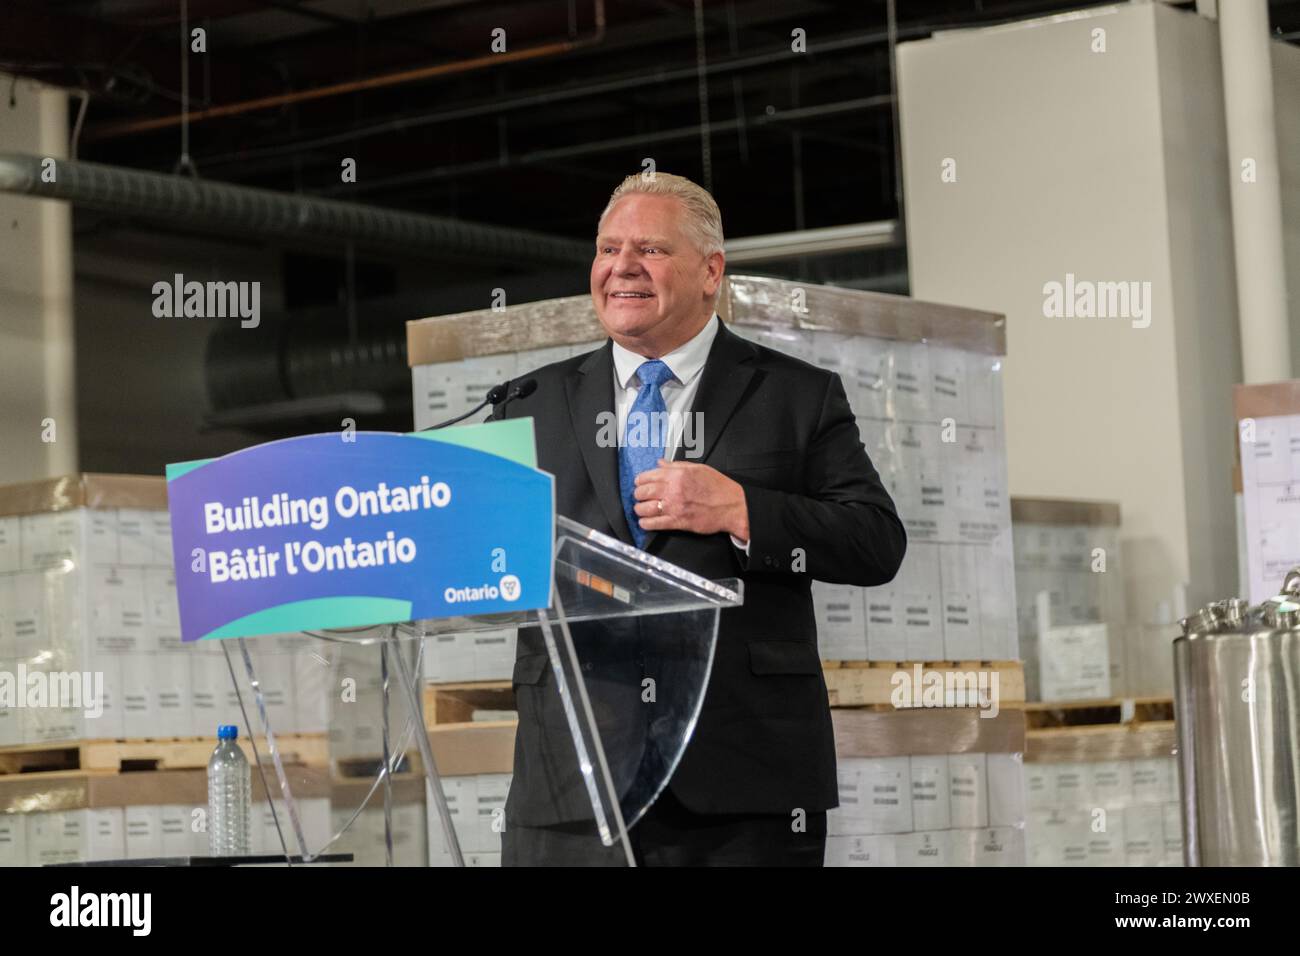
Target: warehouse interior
[413,187]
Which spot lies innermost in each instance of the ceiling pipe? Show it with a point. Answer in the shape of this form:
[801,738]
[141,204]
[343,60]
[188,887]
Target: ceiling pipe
[545,97]
[612,144]
[545,50]
[220,207]
[814,242]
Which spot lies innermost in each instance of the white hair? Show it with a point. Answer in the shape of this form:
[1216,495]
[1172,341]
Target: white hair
[703,222]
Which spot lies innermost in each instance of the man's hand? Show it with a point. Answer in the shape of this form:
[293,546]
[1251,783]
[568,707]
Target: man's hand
[695,498]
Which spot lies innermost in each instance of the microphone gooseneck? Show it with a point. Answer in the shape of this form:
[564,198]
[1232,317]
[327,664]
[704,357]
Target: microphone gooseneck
[497,395]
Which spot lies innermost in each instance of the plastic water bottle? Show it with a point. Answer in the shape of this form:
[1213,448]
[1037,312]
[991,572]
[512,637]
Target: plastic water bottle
[229,796]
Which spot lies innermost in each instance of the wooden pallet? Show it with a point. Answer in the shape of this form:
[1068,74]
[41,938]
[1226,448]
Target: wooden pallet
[456,703]
[160,753]
[481,746]
[367,767]
[848,684]
[966,664]
[1114,711]
[1098,742]
[932,731]
[874,683]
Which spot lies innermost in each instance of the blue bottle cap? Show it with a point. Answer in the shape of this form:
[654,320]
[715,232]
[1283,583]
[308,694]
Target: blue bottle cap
[227,732]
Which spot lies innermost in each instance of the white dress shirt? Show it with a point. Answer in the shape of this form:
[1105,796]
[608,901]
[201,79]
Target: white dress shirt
[686,362]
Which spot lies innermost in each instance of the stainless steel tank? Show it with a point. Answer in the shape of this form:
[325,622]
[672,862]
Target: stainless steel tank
[1237,706]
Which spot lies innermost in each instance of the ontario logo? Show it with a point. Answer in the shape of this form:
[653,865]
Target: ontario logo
[507,588]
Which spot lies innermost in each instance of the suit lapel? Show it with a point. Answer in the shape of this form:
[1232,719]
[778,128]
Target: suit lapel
[727,373]
[590,391]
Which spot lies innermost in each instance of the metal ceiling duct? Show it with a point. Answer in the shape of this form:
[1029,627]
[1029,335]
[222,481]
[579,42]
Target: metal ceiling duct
[273,378]
[220,207]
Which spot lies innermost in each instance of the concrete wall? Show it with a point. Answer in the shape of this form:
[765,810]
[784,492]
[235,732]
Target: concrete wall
[1111,166]
[36,337]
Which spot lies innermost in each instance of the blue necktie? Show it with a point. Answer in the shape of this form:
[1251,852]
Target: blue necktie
[644,438]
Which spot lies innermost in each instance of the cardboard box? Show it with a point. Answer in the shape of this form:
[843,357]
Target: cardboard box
[1000,846]
[1173,832]
[959,573]
[1106,837]
[968,791]
[1070,550]
[1111,783]
[1006,789]
[875,796]
[1074,662]
[931,793]
[1144,835]
[840,610]
[1125,810]
[13,840]
[924,848]
[860,851]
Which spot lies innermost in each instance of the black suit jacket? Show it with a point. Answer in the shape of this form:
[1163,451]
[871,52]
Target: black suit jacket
[784,430]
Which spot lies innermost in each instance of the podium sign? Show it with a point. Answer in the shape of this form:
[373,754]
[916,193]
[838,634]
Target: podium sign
[354,529]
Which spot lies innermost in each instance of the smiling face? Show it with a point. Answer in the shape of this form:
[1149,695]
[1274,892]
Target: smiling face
[652,288]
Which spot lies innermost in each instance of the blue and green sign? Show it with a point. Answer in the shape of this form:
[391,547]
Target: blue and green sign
[352,529]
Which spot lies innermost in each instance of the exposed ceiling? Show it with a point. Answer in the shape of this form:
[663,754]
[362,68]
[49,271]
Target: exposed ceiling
[534,137]
[437,122]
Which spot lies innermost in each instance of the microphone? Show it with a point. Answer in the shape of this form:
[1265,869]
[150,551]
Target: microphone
[522,390]
[496,395]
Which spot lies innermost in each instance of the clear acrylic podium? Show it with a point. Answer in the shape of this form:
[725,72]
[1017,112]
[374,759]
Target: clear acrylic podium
[629,642]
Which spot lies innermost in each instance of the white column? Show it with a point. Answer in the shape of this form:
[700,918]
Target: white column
[56,289]
[37,387]
[1255,190]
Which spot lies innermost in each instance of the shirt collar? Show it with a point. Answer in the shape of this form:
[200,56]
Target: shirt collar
[685,361]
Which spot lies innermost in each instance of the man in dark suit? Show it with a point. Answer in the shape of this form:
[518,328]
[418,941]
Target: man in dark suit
[779,491]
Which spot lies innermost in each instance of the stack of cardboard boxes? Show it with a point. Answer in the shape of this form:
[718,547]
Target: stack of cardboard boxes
[1104,813]
[1069,578]
[76,817]
[88,608]
[87,591]
[936,787]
